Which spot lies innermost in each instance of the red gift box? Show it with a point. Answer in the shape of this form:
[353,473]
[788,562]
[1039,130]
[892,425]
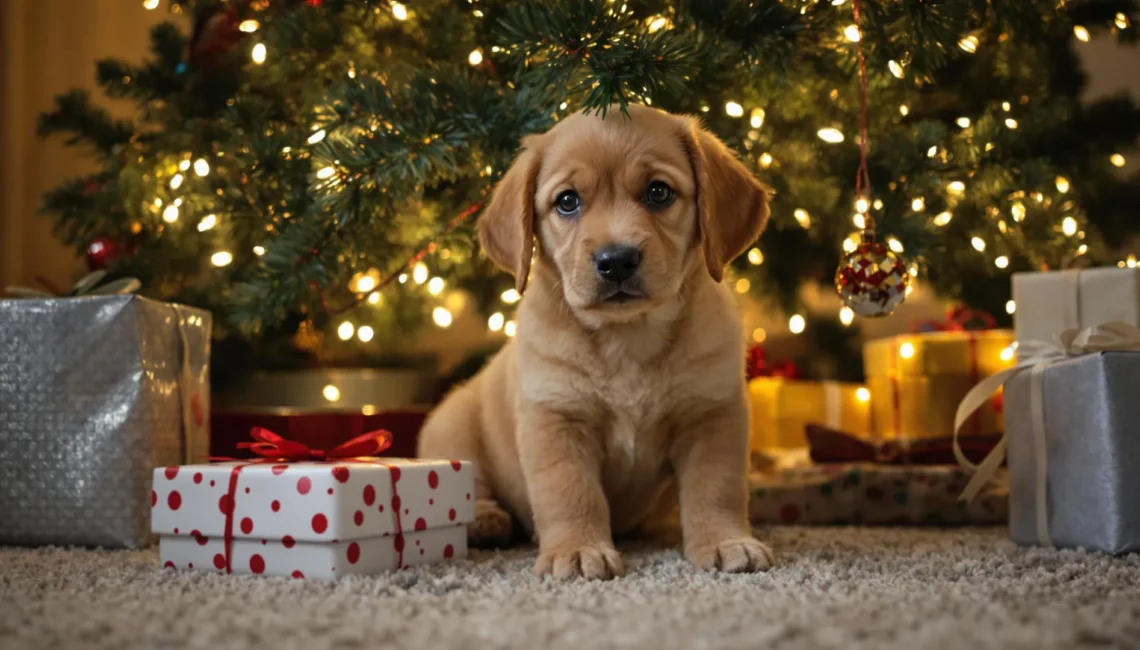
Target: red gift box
[316,429]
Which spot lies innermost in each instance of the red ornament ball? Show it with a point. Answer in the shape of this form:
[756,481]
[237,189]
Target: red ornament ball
[872,280]
[101,252]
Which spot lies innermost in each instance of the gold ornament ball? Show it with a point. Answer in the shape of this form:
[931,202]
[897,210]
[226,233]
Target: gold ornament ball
[872,280]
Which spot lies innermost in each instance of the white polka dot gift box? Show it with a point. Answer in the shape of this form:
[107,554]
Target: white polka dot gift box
[341,513]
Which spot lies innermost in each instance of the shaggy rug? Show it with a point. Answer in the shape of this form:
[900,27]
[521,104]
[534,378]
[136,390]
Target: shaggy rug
[833,588]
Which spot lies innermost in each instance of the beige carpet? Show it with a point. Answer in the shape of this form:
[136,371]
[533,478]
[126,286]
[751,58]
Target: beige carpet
[834,588]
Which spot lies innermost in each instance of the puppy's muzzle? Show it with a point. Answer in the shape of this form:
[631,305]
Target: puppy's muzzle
[616,266]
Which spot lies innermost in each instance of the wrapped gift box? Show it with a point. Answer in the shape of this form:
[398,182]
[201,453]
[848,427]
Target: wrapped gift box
[870,494]
[1082,487]
[783,408]
[95,391]
[917,381]
[312,519]
[1049,303]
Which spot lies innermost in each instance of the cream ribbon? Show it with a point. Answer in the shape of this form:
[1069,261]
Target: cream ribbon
[1035,357]
[832,405]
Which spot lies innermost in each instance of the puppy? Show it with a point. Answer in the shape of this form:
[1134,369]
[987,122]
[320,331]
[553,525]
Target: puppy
[627,371]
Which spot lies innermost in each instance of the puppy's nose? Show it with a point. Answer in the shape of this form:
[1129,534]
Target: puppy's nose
[616,263]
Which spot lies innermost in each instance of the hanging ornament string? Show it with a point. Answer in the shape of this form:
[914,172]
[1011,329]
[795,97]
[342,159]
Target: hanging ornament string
[871,279]
[862,177]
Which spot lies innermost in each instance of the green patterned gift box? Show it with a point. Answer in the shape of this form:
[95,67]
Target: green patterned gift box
[870,494]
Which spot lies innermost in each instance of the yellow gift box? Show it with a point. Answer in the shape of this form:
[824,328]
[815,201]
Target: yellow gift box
[782,408]
[917,381]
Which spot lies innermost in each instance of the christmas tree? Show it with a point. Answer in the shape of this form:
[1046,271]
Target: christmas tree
[313,167]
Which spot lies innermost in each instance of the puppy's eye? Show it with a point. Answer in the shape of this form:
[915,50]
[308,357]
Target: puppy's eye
[659,195]
[568,203]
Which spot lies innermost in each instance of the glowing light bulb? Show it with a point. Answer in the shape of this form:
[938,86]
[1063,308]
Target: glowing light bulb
[906,350]
[1010,306]
[846,315]
[221,258]
[249,26]
[895,68]
[850,244]
[365,333]
[657,23]
[969,45]
[759,335]
[1121,21]
[863,395]
[374,298]
[904,110]
[259,250]
[441,316]
[476,57]
[1062,184]
[207,222]
[963,122]
[402,278]
[510,296]
[978,243]
[258,53]
[1017,209]
[1011,123]
[1005,106]
[757,119]
[316,137]
[201,167]
[1131,261]
[1082,249]
[1117,160]
[852,33]
[766,160]
[932,152]
[435,286]
[170,214]
[150,4]
[802,217]
[1001,262]
[345,330]
[918,205]
[1007,354]
[176,181]
[510,328]
[331,393]
[399,11]
[184,165]
[496,321]
[859,221]
[834,136]
[895,245]
[364,283]
[326,172]
[861,205]
[755,257]
[943,218]
[797,324]
[743,285]
[878,204]
[733,109]
[1069,226]
[420,273]
[1081,33]
[956,187]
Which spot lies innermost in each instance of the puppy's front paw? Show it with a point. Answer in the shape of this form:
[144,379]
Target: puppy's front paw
[492,526]
[734,555]
[593,561]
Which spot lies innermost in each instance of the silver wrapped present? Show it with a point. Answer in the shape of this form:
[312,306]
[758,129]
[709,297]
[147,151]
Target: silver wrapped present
[95,392]
[1071,441]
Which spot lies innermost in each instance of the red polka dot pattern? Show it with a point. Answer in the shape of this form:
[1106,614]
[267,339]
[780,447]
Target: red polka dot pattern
[456,465]
[304,484]
[169,565]
[353,553]
[257,564]
[219,561]
[433,479]
[199,537]
[171,472]
[226,504]
[298,575]
[369,495]
[340,474]
[153,498]
[421,524]
[395,471]
[448,551]
[247,525]
[320,523]
[451,515]
[358,518]
[275,506]
[278,470]
[399,543]
[197,478]
[288,541]
[174,500]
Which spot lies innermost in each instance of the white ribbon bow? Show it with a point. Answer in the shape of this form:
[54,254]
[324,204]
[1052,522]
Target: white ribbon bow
[1035,357]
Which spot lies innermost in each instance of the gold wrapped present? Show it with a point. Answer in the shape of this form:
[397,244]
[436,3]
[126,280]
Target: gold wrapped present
[782,408]
[917,381]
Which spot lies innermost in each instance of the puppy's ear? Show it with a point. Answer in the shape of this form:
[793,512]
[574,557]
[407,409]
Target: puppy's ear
[732,206]
[506,228]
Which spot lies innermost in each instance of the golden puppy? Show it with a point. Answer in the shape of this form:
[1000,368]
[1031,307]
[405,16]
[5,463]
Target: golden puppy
[627,371]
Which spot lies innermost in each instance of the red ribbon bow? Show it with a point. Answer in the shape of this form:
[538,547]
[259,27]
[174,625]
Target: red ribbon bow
[958,319]
[271,445]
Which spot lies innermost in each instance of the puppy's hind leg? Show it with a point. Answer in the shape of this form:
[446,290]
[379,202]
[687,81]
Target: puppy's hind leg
[453,431]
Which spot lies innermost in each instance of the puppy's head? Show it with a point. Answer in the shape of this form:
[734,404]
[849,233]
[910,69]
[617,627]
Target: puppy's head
[623,209]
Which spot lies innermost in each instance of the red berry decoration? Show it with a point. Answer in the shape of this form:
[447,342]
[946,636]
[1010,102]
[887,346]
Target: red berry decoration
[871,280]
[101,252]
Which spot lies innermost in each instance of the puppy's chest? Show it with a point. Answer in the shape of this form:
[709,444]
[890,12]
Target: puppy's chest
[636,435]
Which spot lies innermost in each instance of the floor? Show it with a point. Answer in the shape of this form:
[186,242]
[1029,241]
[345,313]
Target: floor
[834,588]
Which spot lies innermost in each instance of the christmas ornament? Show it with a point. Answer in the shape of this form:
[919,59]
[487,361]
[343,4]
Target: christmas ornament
[872,280]
[100,252]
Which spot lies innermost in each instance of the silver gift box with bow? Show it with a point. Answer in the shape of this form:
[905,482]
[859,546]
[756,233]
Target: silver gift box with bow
[1074,457]
[95,392]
